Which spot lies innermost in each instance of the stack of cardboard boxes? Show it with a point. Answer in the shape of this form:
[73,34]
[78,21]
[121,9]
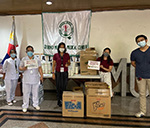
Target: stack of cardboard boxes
[98,101]
[85,56]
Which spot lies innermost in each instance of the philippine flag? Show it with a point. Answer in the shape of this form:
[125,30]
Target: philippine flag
[12,41]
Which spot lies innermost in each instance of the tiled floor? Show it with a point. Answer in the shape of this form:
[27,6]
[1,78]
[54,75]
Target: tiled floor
[123,110]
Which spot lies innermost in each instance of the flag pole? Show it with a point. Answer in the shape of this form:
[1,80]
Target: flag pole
[13,17]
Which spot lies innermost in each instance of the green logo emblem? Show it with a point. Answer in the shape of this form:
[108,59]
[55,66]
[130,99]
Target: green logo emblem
[66,29]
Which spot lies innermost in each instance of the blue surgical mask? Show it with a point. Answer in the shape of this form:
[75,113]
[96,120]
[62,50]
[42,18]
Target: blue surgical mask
[106,54]
[142,43]
[13,55]
[30,54]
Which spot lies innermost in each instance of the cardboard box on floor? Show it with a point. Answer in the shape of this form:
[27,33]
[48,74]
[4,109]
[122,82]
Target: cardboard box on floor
[95,86]
[100,92]
[73,104]
[98,106]
[98,100]
[98,85]
[88,54]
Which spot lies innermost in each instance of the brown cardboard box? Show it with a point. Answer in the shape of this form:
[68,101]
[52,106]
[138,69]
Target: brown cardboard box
[98,100]
[98,106]
[89,54]
[100,92]
[98,85]
[90,49]
[73,104]
[77,89]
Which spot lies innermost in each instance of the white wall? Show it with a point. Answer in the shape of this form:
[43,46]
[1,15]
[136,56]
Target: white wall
[5,28]
[28,32]
[115,29]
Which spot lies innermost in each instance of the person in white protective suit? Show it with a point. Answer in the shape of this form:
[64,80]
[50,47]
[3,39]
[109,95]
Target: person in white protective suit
[10,76]
[32,76]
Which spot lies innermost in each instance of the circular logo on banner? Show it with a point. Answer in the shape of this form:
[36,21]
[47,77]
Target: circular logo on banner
[66,29]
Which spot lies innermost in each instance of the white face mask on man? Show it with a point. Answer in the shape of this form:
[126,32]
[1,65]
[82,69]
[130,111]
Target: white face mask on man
[61,49]
[142,43]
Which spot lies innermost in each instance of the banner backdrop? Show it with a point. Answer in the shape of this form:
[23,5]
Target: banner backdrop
[72,28]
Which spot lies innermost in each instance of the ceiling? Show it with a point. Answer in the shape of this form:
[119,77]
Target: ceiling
[19,7]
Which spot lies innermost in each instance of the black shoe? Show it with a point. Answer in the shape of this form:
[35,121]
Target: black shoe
[59,103]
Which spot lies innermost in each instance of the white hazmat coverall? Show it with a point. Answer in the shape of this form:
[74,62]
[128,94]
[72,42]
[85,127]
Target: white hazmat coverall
[11,70]
[31,83]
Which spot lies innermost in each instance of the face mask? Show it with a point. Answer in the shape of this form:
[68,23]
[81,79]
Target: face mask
[106,54]
[30,53]
[142,43]
[13,55]
[61,49]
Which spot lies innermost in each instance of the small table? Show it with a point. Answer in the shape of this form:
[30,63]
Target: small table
[78,78]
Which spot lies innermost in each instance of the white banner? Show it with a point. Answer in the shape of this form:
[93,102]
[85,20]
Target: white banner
[72,28]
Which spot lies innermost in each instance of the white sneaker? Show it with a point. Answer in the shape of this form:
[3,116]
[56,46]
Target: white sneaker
[139,114]
[10,103]
[14,101]
[37,108]
[24,109]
